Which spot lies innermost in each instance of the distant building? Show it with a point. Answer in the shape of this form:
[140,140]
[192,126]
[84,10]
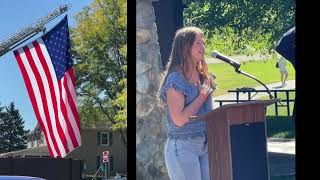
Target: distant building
[95,139]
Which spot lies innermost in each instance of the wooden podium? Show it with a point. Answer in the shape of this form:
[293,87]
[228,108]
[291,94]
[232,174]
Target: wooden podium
[237,141]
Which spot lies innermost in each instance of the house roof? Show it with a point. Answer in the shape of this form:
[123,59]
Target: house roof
[43,150]
[99,125]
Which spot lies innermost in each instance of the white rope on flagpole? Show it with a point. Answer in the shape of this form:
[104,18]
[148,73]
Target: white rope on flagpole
[94,176]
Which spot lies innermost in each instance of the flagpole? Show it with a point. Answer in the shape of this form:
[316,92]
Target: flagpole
[95,174]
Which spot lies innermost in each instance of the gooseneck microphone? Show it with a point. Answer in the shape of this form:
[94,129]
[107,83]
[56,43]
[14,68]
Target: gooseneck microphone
[236,66]
[226,59]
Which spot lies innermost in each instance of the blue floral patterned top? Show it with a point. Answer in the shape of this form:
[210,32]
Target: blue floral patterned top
[190,91]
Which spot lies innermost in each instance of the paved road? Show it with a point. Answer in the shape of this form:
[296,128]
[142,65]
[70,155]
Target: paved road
[281,152]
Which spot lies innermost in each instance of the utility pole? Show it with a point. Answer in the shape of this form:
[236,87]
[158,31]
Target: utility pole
[28,32]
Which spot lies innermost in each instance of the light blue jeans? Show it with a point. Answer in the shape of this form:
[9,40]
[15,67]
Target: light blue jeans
[187,158]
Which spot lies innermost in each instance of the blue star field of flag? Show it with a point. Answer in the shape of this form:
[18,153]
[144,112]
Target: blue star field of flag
[57,42]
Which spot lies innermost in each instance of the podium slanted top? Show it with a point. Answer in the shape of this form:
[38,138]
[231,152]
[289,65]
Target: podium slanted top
[245,109]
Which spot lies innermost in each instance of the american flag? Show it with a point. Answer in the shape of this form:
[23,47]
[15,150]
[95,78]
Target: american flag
[46,67]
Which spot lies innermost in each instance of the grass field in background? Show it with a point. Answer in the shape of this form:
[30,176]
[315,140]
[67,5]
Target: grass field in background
[264,70]
[282,110]
[280,126]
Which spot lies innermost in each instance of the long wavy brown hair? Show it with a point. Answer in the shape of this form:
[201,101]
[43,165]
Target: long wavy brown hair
[181,59]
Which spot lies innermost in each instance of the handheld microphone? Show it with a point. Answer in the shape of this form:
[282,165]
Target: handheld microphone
[226,59]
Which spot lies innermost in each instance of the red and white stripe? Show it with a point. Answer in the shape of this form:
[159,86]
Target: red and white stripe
[54,101]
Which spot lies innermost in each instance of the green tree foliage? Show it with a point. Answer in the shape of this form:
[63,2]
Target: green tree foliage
[229,42]
[121,104]
[246,17]
[2,116]
[12,133]
[100,49]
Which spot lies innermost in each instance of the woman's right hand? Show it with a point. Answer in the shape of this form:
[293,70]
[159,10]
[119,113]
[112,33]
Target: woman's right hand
[205,90]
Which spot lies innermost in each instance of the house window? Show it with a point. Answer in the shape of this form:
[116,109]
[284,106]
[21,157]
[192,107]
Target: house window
[35,143]
[30,144]
[43,139]
[104,138]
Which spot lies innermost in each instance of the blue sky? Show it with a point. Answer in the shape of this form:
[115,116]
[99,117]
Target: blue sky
[14,15]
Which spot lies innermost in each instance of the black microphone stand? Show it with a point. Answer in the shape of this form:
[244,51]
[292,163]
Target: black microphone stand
[246,74]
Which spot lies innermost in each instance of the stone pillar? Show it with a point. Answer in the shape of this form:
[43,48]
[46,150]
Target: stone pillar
[150,119]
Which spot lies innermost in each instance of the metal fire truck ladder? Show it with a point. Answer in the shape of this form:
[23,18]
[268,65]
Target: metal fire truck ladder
[30,31]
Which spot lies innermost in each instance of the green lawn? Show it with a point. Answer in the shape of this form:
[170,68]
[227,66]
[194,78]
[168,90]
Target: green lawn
[280,126]
[264,70]
[282,110]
